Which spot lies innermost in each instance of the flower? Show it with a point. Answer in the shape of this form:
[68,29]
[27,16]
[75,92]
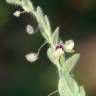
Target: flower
[59,50]
[17,13]
[31,57]
[61,46]
[68,46]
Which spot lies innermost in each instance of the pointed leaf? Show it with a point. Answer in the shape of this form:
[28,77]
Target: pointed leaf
[69,64]
[64,89]
[41,23]
[40,15]
[73,85]
[82,91]
[47,23]
[25,4]
[50,56]
[16,2]
[55,36]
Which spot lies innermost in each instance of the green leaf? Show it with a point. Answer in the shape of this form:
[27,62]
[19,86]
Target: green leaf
[50,55]
[25,4]
[55,36]
[70,63]
[47,23]
[16,2]
[44,25]
[82,91]
[64,89]
[68,86]
[41,22]
[73,85]
[40,15]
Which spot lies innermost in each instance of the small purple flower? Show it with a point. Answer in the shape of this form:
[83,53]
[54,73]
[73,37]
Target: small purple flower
[59,50]
[59,46]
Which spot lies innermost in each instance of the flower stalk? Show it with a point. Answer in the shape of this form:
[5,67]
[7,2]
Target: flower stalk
[67,85]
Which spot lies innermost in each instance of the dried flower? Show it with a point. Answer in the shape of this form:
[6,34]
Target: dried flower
[68,46]
[17,13]
[31,57]
[29,29]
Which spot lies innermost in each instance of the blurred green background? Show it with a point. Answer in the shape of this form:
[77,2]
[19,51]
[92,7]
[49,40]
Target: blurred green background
[18,77]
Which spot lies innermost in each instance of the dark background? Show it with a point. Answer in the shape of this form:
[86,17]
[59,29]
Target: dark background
[18,77]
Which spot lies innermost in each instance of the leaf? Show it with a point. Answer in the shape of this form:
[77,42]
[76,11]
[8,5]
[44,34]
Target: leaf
[16,2]
[44,24]
[73,85]
[55,36]
[40,15]
[69,64]
[47,23]
[64,89]
[82,91]
[25,4]
[50,55]
[41,23]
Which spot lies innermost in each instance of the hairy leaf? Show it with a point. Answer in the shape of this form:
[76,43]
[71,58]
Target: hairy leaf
[55,36]
[69,64]
[16,2]
[25,4]
[47,23]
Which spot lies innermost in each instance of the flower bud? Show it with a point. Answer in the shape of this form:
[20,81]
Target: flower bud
[29,29]
[17,13]
[31,57]
[68,46]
